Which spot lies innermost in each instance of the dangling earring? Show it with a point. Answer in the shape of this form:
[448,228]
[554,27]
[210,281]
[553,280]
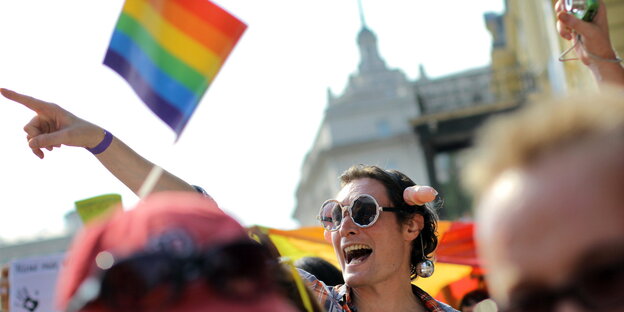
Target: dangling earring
[424,268]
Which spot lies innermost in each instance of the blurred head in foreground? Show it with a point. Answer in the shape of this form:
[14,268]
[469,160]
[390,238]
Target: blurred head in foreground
[549,187]
[173,252]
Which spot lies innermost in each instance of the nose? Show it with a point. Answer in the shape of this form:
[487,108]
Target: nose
[348,227]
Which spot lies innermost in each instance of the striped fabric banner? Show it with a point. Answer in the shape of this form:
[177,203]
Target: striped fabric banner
[169,51]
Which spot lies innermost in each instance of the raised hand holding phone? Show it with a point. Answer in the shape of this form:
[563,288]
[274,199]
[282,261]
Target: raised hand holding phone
[585,23]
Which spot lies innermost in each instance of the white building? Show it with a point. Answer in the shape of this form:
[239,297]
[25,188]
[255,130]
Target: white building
[368,124]
[42,246]
[418,127]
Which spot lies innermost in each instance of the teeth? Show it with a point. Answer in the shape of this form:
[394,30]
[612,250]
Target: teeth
[355,247]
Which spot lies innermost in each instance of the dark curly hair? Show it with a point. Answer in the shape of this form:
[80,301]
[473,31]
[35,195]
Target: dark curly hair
[395,183]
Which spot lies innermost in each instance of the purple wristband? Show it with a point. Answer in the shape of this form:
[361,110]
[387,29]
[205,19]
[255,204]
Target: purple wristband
[106,142]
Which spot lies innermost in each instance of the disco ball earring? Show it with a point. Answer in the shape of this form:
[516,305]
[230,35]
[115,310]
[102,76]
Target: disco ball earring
[426,267]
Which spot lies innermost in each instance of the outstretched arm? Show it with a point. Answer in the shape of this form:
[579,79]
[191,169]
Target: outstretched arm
[595,49]
[53,126]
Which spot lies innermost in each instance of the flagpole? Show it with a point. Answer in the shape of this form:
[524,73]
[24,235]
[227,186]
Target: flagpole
[150,181]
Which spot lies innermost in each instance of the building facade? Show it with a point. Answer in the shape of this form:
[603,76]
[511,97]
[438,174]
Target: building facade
[367,124]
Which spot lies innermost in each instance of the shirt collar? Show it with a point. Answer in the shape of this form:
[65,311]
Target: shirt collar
[344,296]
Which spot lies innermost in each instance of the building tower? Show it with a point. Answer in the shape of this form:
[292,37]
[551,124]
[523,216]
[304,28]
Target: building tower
[369,123]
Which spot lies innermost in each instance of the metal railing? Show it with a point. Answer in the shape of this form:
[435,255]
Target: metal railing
[473,88]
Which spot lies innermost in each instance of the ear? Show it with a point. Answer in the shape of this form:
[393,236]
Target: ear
[413,226]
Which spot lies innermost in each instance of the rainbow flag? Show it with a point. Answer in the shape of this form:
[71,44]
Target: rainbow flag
[169,51]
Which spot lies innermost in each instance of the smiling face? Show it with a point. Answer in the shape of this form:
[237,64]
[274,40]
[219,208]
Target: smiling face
[379,253]
[557,223]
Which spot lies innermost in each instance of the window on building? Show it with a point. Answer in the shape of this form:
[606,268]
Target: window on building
[457,203]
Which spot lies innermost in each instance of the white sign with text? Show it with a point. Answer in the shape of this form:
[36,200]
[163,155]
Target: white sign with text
[32,283]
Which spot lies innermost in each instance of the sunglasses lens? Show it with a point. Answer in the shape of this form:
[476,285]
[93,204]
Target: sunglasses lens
[364,211]
[331,215]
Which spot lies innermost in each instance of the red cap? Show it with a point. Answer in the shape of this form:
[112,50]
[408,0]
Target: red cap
[184,220]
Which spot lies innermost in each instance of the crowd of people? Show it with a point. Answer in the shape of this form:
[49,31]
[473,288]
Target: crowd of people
[547,183]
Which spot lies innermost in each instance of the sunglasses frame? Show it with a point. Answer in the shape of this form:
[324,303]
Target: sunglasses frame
[378,211]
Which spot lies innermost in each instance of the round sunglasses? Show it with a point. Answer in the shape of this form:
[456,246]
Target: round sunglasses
[364,211]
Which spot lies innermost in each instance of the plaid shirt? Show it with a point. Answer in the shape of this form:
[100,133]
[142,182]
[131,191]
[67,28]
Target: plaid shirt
[338,298]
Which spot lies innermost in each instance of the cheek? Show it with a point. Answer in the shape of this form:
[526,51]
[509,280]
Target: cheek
[334,239]
[327,235]
[385,227]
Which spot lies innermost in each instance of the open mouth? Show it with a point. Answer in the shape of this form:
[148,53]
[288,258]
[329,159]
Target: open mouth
[357,253]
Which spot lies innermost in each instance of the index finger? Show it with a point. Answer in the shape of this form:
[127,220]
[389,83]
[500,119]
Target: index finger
[419,194]
[36,105]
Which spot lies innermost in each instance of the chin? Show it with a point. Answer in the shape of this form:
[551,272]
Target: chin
[355,279]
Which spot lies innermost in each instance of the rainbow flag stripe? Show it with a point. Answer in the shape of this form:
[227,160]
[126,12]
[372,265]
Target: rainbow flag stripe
[169,51]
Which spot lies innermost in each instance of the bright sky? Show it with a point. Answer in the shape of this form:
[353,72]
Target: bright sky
[246,141]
